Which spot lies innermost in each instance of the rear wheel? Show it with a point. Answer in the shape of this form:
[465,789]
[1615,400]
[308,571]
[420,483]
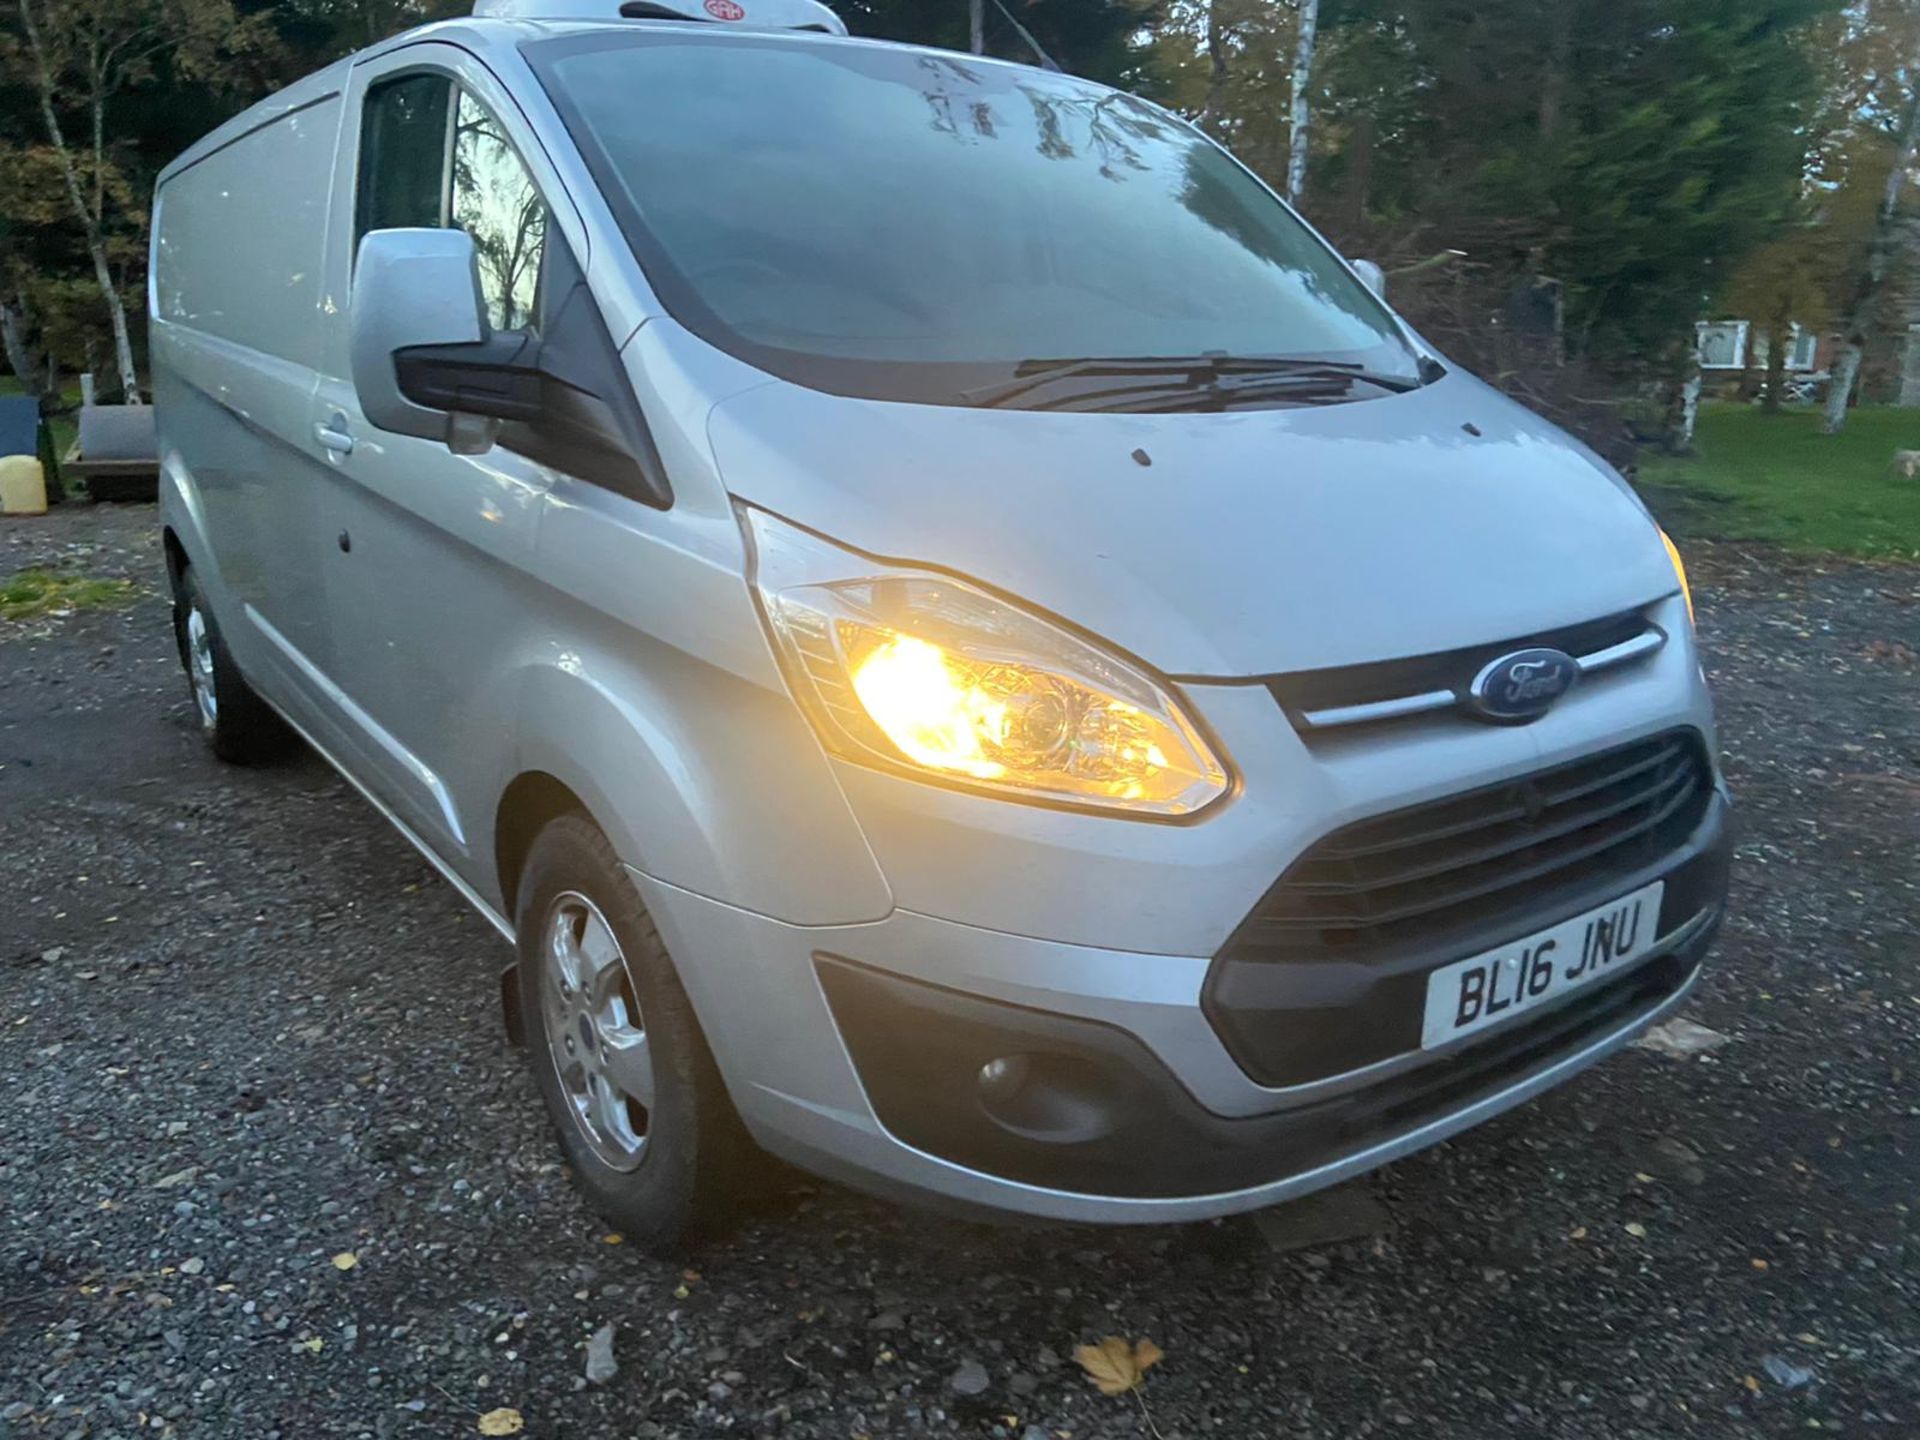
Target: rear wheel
[238,725]
[633,1090]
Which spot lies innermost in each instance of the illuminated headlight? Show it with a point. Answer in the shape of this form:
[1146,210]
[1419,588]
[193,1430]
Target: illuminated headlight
[1679,569]
[913,670]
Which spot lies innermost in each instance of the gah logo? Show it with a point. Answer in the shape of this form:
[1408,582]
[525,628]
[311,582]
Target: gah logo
[725,10]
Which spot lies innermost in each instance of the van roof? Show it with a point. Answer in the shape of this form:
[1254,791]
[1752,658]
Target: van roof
[536,15]
[734,14]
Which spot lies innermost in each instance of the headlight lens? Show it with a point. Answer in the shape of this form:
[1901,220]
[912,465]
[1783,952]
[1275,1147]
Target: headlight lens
[918,671]
[1680,569]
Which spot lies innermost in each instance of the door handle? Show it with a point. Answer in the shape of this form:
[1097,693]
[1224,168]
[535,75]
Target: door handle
[333,436]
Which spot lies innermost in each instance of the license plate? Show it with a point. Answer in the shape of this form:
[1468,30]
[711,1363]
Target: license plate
[1472,994]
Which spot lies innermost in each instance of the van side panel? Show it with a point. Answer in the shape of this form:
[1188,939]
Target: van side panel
[239,254]
[238,238]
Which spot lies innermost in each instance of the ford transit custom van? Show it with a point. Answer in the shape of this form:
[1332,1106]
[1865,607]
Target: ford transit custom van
[961,642]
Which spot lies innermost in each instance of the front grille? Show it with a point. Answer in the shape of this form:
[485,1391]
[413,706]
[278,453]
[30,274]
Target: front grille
[1324,701]
[1472,861]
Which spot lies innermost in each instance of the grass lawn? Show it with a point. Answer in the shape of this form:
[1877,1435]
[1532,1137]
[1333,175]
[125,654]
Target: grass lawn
[45,592]
[1777,478]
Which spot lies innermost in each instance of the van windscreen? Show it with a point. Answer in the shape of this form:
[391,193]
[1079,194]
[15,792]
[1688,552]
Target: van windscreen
[909,224]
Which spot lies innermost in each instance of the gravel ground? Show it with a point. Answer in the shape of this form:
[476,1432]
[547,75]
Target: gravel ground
[244,1031]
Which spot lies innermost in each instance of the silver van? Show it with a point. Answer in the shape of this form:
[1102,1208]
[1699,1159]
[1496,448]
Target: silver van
[962,643]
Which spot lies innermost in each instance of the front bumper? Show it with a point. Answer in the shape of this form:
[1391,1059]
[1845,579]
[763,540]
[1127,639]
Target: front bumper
[1133,1109]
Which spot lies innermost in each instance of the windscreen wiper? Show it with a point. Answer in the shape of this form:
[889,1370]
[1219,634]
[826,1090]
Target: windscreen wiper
[1211,376]
[1302,386]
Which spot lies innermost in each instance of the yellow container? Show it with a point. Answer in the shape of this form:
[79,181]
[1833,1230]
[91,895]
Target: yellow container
[23,486]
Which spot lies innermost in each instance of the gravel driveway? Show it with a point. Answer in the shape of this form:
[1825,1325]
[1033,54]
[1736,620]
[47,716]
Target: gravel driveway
[268,1166]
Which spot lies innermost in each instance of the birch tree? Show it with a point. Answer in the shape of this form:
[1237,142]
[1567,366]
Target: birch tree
[1870,285]
[1302,127]
[78,56]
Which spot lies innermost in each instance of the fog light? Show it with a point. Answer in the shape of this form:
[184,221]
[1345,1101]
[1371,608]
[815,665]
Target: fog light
[1001,1079]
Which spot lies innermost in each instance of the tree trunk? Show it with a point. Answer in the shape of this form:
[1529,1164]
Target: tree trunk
[1861,313]
[13,334]
[117,312]
[1689,407]
[977,26]
[1359,156]
[1553,81]
[89,220]
[1216,66]
[1779,336]
[96,79]
[1302,104]
[1846,370]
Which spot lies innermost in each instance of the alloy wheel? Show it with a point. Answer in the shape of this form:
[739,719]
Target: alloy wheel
[595,1031]
[206,696]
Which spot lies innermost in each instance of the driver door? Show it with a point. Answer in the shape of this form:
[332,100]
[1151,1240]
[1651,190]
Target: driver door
[429,548]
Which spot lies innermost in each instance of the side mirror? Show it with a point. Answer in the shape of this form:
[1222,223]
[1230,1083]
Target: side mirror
[1372,276]
[424,362]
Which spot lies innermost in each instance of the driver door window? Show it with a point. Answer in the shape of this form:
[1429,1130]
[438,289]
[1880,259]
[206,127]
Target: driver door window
[432,155]
[494,201]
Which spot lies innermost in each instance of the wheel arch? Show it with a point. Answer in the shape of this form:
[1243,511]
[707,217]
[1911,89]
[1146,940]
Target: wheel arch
[683,766]
[175,553]
[183,519]
[532,800]
[177,566]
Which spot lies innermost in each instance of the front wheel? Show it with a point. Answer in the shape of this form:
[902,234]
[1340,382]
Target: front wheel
[621,1062]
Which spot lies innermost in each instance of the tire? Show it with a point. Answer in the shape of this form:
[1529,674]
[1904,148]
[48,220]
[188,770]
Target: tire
[239,726]
[621,1062]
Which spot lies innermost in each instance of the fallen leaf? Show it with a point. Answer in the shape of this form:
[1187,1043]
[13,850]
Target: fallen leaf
[613,1239]
[1636,1229]
[1760,1264]
[504,1421]
[1115,1366]
[1579,1232]
[345,1260]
